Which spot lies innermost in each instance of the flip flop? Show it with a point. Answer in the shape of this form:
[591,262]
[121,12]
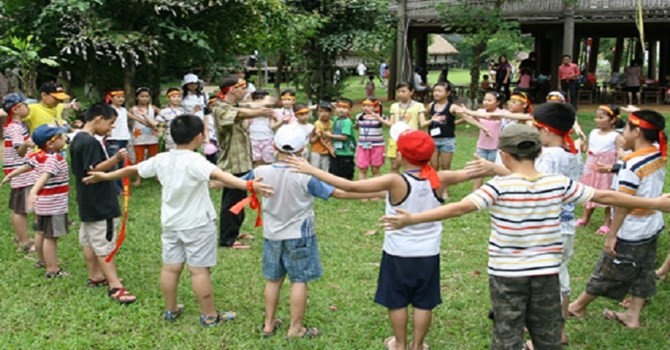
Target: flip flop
[574,316]
[389,342]
[603,230]
[613,316]
[277,324]
[239,245]
[310,333]
[581,222]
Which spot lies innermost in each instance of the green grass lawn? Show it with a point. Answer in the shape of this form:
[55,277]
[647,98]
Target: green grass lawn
[64,314]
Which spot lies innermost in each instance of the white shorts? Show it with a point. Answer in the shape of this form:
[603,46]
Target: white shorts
[196,247]
[94,234]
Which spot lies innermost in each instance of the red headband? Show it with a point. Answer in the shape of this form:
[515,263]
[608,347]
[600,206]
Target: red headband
[565,134]
[643,124]
[10,115]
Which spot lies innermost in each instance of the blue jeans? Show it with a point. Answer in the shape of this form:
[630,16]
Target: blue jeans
[569,88]
[113,147]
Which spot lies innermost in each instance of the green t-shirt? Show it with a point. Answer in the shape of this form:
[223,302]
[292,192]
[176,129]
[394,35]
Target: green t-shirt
[344,126]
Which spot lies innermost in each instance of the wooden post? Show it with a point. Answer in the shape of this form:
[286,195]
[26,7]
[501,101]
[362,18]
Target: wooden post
[593,60]
[651,68]
[618,54]
[664,60]
[399,59]
[569,30]
[421,57]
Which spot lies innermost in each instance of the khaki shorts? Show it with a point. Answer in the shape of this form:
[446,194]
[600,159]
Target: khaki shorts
[196,246]
[95,235]
[52,226]
[18,200]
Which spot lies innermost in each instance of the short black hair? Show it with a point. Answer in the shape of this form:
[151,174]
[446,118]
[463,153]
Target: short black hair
[229,81]
[560,116]
[326,105]
[529,156]
[347,101]
[485,76]
[259,94]
[100,110]
[172,89]
[652,117]
[184,128]
[403,84]
[287,92]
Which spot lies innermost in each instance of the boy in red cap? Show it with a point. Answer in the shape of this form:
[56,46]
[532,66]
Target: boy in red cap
[411,256]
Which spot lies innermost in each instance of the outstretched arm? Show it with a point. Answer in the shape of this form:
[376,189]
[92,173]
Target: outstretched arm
[16,172]
[404,218]
[100,176]
[339,194]
[231,181]
[37,187]
[481,167]
[622,200]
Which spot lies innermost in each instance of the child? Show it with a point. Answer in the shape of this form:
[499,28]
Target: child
[302,115]
[99,209]
[120,134]
[167,114]
[194,100]
[17,143]
[322,145]
[370,87]
[525,78]
[49,195]
[145,129]
[487,145]
[286,114]
[370,149]
[629,256]
[187,215]
[290,243]
[524,261]
[485,85]
[405,110]
[261,134]
[602,149]
[342,164]
[410,267]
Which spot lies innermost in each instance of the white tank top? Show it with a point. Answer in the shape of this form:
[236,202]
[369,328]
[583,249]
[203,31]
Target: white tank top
[416,240]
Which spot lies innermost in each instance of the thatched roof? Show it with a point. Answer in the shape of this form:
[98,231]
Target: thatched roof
[441,46]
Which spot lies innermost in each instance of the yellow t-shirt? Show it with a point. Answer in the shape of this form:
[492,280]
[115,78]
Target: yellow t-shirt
[318,146]
[41,114]
[409,114]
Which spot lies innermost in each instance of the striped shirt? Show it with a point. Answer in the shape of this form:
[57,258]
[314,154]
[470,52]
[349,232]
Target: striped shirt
[642,175]
[15,135]
[525,214]
[370,131]
[52,199]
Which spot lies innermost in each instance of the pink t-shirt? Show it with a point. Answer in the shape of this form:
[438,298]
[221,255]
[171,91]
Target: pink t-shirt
[524,81]
[494,126]
[565,71]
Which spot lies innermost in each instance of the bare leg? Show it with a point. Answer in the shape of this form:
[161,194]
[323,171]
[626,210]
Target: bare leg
[565,302]
[202,287]
[39,246]
[630,98]
[398,318]
[271,295]
[94,270]
[434,160]
[362,175]
[298,307]
[49,249]
[578,307]
[422,319]
[445,164]
[20,223]
[169,281]
[109,269]
[638,95]
[586,217]
[630,318]
[662,272]
[608,216]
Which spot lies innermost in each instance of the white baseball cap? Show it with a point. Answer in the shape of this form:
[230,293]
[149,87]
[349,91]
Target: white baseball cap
[290,139]
[397,129]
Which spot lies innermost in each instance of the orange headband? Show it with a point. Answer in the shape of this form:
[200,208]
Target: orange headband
[172,93]
[240,83]
[566,135]
[524,99]
[108,97]
[302,111]
[343,105]
[643,124]
[287,97]
[608,110]
[554,98]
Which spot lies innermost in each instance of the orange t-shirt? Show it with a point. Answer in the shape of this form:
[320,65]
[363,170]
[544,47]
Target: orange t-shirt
[318,147]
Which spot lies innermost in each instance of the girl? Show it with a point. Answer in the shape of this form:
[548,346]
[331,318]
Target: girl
[503,77]
[261,134]
[286,114]
[145,129]
[602,150]
[194,100]
[487,144]
[370,149]
[170,112]
[442,125]
[120,135]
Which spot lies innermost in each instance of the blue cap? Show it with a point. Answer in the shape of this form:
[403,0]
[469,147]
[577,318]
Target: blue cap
[46,132]
[11,100]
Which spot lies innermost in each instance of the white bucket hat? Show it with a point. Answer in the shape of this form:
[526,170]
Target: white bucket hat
[190,78]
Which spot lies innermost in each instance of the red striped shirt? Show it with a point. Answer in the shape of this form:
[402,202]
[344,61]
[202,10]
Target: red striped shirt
[15,135]
[52,199]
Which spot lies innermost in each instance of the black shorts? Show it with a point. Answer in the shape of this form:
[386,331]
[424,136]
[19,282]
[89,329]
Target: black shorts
[342,166]
[632,89]
[53,226]
[404,281]
[18,200]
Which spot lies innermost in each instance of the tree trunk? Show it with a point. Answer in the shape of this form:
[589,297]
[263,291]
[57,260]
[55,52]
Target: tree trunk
[280,72]
[478,50]
[129,83]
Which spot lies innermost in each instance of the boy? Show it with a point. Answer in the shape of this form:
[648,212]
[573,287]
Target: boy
[302,115]
[187,215]
[321,145]
[410,256]
[290,245]
[98,205]
[342,164]
[629,255]
[167,114]
[525,248]
[17,142]
[485,85]
[405,110]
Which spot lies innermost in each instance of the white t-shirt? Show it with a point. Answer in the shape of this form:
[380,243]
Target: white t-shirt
[289,213]
[120,131]
[415,240]
[307,128]
[361,69]
[191,101]
[184,176]
[260,129]
[599,142]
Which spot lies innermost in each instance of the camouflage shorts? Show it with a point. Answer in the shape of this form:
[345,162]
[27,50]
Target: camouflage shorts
[534,302]
[632,270]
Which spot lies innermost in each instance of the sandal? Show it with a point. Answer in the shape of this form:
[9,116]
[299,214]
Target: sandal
[581,222]
[246,236]
[239,245]
[310,333]
[603,230]
[211,321]
[91,283]
[276,326]
[173,315]
[57,274]
[121,295]
[27,248]
[40,265]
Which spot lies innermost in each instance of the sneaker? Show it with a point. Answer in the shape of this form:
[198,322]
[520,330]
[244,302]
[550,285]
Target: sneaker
[173,315]
[58,274]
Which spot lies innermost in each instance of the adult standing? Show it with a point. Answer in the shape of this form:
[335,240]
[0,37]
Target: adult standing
[361,69]
[633,75]
[49,110]
[382,68]
[530,64]
[503,77]
[229,116]
[568,73]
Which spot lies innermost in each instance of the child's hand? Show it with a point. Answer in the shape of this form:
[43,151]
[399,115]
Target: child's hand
[480,167]
[664,204]
[300,165]
[32,197]
[94,177]
[5,180]
[487,132]
[395,222]
[600,167]
[261,188]
[630,109]
[328,134]
[121,155]
[215,184]
[610,242]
